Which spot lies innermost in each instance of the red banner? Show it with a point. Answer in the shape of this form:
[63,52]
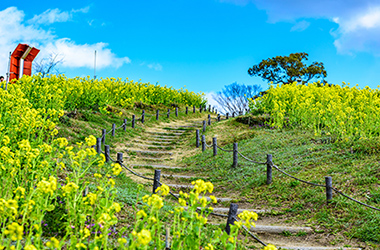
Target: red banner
[22,52]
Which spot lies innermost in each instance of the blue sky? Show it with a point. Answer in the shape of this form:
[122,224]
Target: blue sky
[200,44]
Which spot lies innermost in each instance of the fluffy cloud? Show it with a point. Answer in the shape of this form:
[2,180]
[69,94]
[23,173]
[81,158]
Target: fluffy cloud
[155,66]
[31,32]
[358,21]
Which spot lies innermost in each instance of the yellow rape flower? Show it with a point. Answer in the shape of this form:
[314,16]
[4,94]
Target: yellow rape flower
[53,243]
[116,168]
[269,247]
[144,237]
[15,231]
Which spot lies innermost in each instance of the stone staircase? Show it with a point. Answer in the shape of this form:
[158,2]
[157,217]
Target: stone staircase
[160,147]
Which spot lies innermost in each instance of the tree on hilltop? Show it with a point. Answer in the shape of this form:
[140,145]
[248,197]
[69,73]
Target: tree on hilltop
[234,97]
[288,69]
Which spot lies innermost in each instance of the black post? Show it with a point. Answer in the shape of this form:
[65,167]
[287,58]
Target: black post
[156,182]
[209,119]
[113,129]
[227,116]
[176,111]
[269,169]
[233,114]
[209,108]
[143,116]
[119,158]
[203,143]
[187,110]
[218,117]
[212,109]
[204,126]
[98,145]
[125,125]
[157,114]
[214,146]
[133,121]
[104,132]
[200,109]
[197,138]
[194,109]
[231,217]
[107,152]
[235,155]
[168,113]
[216,111]
[328,180]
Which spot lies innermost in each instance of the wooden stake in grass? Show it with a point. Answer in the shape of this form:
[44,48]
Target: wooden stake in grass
[168,113]
[214,146]
[209,119]
[204,126]
[269,169]
[113,129]
[203,143]
[187,110]
[231,217]
[235,155]
[157,114]
[197,138]
[194,109]
[143,116]
[119,158]
[176,111]
[156,182]
[98,145]
[227,116]
[328,180]
[104,132]
[107,152]
[133,121]
[125,125]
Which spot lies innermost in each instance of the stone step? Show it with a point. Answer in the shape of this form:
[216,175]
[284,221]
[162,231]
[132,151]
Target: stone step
[165,133]
[160,142]
[180,186]
[318,248]
[280,229]
[151,146]
[159,139]
[164,136]
[153,158]
[150,152]
[182,176]
[156,166]
[219,199]
[224,210]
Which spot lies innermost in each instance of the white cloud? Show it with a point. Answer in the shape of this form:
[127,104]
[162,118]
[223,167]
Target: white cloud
[73,54]
[56,15]
[300,26]
[358,21]
[82,55]
[155,66]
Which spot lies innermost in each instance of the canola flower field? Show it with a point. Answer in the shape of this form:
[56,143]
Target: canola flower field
[43,177]
[346,113]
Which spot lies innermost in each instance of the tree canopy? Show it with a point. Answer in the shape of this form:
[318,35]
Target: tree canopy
[288,69]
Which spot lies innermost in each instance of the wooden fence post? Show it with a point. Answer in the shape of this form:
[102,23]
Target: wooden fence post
[156,182]
[328,180]
[214,146]
[194,109]
[269,169]
[125,125]
[231,217]
[119,158]
[209,119]
[143,116]
[176,111]
[168,115]
[187,110]
[209,108]
[218,117]
[197,138]
[203,143]
[200,109]
[133,121]
[104,132]
[204,126]
[107,152]
[157,114]
[226,116]
[113,129]
[98,145]
[235,155]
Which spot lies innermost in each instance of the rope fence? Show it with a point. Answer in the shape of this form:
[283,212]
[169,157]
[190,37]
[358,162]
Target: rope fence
[157,174]
[328,180]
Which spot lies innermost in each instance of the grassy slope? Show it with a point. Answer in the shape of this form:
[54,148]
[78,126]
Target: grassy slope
[306,156]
